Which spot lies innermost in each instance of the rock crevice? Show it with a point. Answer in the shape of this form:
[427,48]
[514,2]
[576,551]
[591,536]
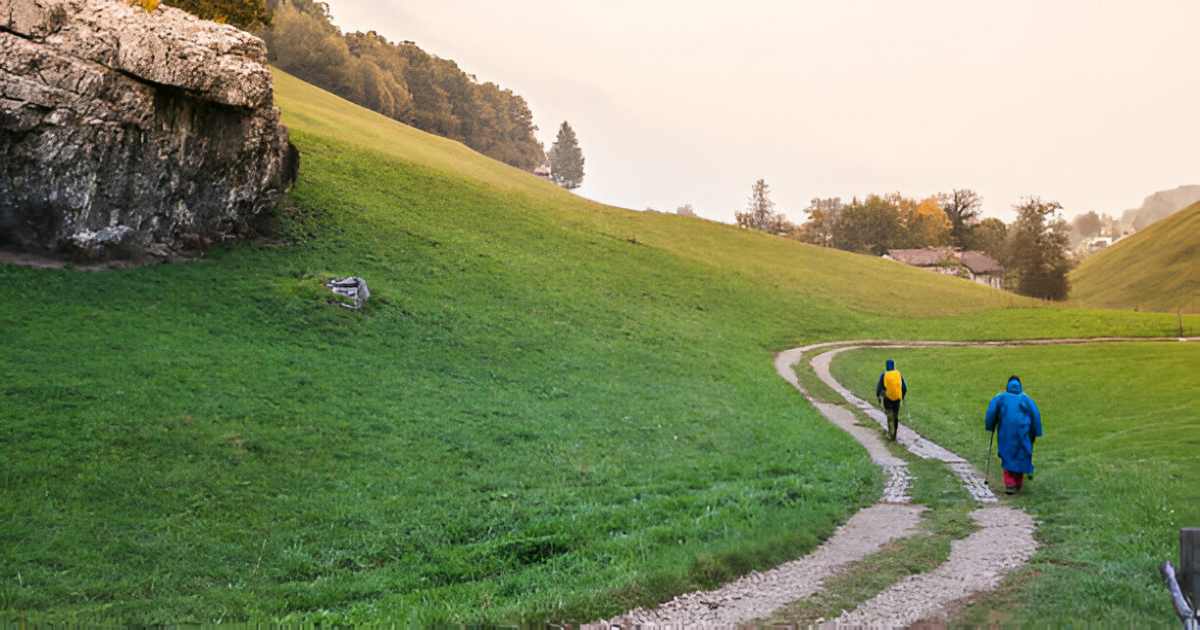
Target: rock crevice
[125,132]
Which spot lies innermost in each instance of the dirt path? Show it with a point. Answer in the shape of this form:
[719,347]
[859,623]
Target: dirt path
[1005,539]
[759,594]
[977,564]
[912,441]
[749,597]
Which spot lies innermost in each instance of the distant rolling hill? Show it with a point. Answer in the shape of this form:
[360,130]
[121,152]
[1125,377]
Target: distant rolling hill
[1160,205]
[1156,269]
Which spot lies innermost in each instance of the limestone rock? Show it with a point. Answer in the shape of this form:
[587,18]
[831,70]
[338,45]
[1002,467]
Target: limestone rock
[125,131]
[353,288]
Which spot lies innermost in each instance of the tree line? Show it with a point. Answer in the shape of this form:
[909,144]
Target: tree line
[396,79]
[1034,249]
[402,81]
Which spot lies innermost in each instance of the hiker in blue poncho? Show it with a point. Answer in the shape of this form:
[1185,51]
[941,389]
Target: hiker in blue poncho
[1018,424]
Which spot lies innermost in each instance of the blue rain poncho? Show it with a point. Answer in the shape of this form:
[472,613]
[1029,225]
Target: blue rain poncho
[1017,421]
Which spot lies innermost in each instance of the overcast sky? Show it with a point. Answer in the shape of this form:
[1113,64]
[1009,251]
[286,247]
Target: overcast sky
[1095,104]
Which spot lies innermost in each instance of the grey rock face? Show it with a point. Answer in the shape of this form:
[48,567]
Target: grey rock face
[125,131]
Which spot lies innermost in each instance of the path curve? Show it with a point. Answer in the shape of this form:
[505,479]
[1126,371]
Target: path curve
[758,594]
[1004,542]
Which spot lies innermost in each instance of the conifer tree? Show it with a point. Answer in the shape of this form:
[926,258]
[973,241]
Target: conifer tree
[760,212]
[566,159]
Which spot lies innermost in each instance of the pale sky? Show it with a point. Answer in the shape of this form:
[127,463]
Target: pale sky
[1092,103]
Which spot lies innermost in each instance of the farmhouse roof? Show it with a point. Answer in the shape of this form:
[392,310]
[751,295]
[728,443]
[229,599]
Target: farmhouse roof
[921,257]
[979,262]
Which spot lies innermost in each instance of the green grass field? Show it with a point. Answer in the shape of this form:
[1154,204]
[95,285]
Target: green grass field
[1157,269]
[551,409]
[1116,469]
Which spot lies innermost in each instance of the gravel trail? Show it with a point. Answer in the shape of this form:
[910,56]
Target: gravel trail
[972,481]
[896,487]
[753,595]
[977,563]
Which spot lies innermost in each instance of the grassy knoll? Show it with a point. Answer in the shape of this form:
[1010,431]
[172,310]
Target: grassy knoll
[1156,269]
[552,408]
[1116,469]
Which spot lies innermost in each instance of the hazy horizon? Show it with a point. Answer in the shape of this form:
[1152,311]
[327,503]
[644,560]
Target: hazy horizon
[675,103]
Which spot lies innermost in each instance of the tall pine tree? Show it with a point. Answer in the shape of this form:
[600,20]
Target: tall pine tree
[566,159]
[760,212]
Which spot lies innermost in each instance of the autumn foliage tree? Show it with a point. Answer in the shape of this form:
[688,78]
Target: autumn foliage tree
[922,223]
[401,81]
[875,224]
[823,216]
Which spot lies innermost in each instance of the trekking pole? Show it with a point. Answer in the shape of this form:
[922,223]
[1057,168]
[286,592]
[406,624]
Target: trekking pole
[987,476]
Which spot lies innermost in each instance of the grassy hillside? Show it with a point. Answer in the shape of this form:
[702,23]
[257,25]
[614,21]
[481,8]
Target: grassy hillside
[551,408]
[1157,269]
[1115,470]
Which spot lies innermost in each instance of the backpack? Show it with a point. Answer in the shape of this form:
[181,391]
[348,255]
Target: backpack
[893,385]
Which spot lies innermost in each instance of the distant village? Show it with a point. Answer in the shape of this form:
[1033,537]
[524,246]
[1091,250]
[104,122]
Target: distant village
[1093,244]
[1110,231]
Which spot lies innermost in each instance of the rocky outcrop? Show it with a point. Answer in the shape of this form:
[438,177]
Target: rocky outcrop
[125,132]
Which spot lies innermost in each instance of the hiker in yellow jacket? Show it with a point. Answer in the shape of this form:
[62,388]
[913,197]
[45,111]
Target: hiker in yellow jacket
[891,390]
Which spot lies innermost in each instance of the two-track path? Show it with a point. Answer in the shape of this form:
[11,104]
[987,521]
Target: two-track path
[1003,542]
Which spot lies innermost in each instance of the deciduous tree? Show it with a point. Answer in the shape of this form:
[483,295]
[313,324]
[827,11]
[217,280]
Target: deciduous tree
[1087,224]
[990,237]
[401,81]
[823,215]
[1037,250]
[962,208]
[870,226]
[924,223]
